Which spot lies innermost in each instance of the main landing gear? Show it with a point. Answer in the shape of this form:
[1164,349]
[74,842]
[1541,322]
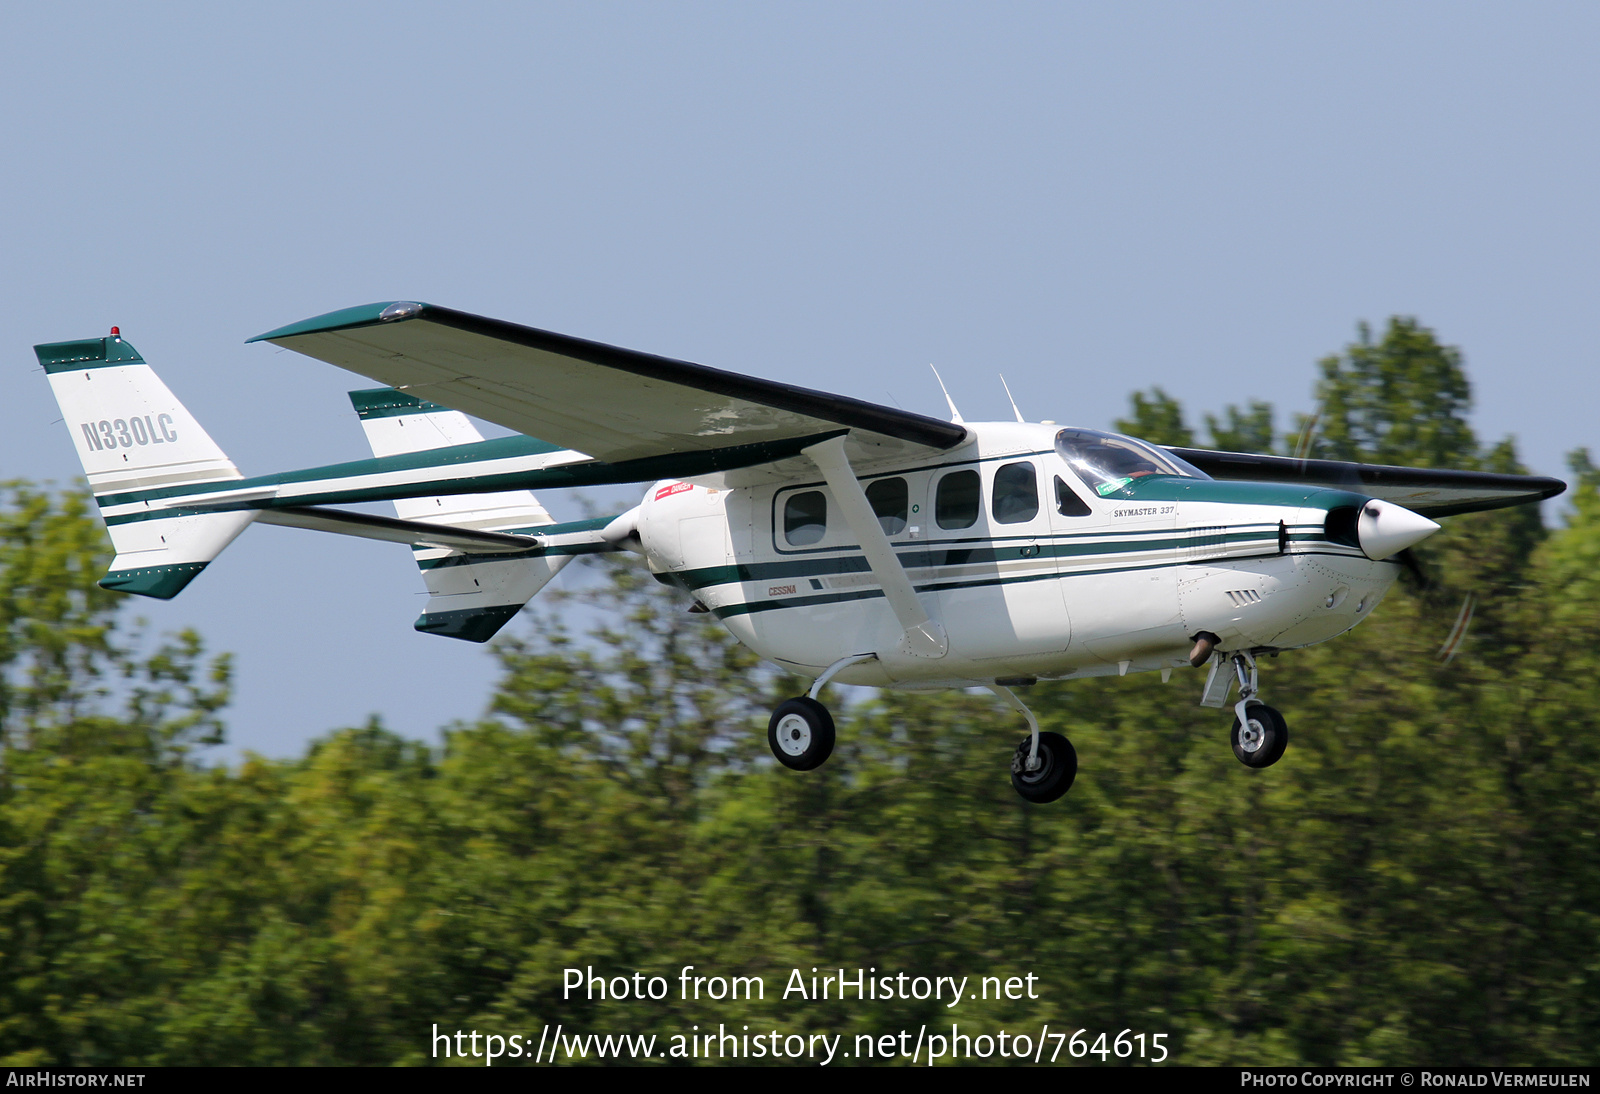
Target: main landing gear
[1044,764]
[1259,732]
[800,733]
[801,736]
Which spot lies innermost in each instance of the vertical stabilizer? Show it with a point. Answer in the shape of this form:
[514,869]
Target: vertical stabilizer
[470,596]
[138,444]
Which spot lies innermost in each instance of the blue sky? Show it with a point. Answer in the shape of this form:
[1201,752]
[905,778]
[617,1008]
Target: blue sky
[1089,198]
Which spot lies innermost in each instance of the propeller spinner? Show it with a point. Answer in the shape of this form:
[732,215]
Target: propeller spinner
[1385,528]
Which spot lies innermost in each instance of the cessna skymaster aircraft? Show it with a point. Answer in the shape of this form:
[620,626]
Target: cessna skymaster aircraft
[839,539]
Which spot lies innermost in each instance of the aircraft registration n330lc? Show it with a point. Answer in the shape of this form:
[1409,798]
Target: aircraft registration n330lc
[841,540]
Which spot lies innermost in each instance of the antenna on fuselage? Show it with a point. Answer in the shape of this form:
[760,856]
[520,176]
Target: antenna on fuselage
[955,415]
[1009,399]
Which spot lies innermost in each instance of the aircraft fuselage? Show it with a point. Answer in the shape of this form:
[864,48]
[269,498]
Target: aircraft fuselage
[1031,570]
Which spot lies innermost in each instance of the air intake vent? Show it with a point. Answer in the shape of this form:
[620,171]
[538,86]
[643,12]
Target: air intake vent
[1340,527]
[1203,543]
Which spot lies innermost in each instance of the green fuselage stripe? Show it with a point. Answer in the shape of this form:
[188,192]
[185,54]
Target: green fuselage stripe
[934,556]
[750,608]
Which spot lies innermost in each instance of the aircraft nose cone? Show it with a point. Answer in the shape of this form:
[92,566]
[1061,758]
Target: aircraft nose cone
[1385,528]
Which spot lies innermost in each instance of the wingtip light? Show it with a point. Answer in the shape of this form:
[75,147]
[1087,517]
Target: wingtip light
[402,309]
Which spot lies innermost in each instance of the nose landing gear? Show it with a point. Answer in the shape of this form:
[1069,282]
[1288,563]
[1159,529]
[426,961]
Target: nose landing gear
[1259,732]
[1260,739]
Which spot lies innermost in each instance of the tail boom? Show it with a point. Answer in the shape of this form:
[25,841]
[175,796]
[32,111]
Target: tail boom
[172,500]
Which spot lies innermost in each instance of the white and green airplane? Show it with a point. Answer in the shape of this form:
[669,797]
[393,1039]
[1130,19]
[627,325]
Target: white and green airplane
[839,539]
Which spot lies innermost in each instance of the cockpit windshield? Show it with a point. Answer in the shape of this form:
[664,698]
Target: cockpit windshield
[1107,461]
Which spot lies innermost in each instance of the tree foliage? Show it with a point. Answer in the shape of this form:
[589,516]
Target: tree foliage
[1417,882]
[1157,418]
[1248,430]
[1400,400]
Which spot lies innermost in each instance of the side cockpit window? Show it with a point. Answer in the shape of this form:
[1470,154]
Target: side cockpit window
[1016,494]
[1068,503]
[956,504]
[891,504]
[805,518]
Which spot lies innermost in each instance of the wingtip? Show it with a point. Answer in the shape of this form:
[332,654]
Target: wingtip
[363,315]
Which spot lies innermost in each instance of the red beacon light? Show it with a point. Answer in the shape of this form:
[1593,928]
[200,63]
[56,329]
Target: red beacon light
[116,332]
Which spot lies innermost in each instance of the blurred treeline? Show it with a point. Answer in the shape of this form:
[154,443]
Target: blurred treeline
[1417,881]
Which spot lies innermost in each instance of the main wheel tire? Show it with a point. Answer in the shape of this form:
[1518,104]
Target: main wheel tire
[801,733]
[1058,766]
[1261,743]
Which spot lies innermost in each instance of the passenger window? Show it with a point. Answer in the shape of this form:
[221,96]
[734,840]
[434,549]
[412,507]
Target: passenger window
[1068,504]
[1016,494]
[891,503]
[957,503]
[805,518]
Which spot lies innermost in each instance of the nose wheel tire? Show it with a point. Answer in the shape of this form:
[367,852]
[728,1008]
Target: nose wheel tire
[1261,740]
[1058,766]
[801,734]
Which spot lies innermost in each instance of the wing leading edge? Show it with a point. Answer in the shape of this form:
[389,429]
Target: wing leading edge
[1433,492]
[612,404]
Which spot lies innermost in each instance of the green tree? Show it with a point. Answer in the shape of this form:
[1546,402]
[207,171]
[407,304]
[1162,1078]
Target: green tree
[1416,882]
[55,623]
[96,741]
[1157,418]
[1243,431]
[1400,400]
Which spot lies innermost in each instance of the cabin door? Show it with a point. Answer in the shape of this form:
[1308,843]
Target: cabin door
[991,552]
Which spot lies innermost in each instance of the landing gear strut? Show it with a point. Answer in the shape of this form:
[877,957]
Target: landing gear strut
[1259,732]
[1044,764]
[800,733]
[801,736]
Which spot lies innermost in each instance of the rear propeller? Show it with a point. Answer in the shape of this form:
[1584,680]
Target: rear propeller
[1425,586]
[1458,633]
[1413,567]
